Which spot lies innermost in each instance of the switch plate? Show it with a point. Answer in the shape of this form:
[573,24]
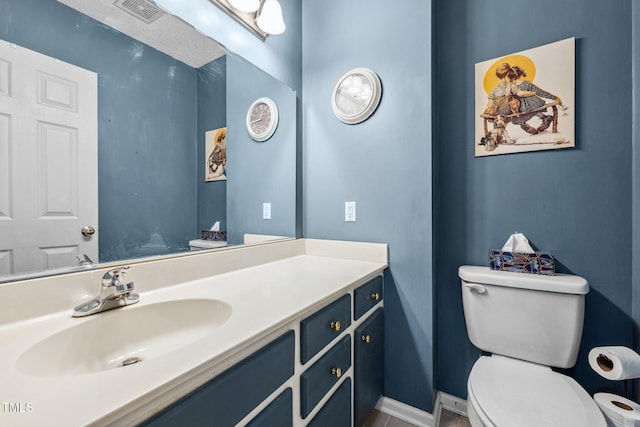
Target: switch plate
[350,211]
[266,211]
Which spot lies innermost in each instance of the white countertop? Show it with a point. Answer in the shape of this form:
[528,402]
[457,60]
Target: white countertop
[265,299]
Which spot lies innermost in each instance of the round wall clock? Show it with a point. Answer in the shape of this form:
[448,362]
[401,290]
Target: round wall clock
[356,95]
[262,119]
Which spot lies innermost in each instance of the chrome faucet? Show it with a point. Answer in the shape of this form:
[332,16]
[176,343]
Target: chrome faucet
[114,293]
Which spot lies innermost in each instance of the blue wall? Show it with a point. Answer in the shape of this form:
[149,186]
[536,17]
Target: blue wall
[384,164]
[212,114]
[280,56]
[574,203]
[259,172]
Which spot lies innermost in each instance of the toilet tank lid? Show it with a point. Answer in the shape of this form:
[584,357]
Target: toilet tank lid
[562,283]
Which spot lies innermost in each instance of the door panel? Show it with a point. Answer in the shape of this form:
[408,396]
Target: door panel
[48,161]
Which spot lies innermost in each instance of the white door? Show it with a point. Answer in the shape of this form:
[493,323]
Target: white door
[48,161]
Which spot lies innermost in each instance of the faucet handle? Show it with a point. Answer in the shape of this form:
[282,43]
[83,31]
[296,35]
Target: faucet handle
[84,260]
[115,277]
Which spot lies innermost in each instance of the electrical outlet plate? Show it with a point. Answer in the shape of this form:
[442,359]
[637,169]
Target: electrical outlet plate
[350,211]
[266,211]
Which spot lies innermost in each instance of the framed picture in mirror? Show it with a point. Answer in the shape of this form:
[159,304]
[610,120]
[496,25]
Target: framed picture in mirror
[215,154]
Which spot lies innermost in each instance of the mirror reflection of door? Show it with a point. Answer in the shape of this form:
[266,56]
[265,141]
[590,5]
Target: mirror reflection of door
[48,162]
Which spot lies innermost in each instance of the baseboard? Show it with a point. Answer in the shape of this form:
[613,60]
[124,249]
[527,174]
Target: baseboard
[452,403]
[419,417]
[405,412]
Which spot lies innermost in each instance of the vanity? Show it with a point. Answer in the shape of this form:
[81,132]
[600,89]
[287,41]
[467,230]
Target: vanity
[281,333]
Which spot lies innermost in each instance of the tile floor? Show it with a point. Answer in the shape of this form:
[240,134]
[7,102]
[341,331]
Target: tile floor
[450,419]
[447,419]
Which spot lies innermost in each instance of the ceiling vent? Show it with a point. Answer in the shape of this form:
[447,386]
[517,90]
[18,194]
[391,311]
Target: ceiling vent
[141,9]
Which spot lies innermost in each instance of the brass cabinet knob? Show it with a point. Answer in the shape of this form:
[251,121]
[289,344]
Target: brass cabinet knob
[375,296]
[366,338]
[336,325]
[336,372]
[87,230]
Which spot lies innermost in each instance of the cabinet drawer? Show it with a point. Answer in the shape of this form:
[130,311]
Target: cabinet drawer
[230,396]
[319,329]
[368,366]
[316,381]
[366,296]
[337,411]
[278,413]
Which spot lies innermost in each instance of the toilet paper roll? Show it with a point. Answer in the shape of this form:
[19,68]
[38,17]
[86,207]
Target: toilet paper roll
[615,363]
[618,411]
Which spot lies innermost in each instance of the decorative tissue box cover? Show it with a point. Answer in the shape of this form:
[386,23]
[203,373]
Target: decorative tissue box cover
[522,262]
[215,236]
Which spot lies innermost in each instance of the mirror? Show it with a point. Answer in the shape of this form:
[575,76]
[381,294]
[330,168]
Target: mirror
[153,111]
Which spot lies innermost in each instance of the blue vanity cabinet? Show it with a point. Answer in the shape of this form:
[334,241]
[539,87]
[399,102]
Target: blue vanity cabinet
[317,332]
[319,329]
[232,395]
[367,296]
[316,381]
[337,411]
[278,413]
[337,382]
[368,366]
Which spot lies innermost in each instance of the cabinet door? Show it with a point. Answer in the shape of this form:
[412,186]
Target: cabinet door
[368,366]
[316,381]
[337,411]
[319,329]
[366,296]
[278,413]
[229,397]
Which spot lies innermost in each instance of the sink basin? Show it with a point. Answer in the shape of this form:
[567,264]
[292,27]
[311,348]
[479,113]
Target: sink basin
[124,337]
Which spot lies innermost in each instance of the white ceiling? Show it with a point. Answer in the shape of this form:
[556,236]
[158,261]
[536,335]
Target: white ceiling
[167,34]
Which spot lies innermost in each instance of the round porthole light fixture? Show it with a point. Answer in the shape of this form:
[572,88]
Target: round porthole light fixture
[356,95]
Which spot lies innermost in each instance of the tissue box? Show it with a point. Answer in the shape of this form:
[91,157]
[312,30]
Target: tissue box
[216,236]
[522,262]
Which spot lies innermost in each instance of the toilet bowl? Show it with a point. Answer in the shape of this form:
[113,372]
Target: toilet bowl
[508,392]
[528,323]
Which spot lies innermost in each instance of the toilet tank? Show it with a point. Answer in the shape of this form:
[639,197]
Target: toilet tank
[532,317]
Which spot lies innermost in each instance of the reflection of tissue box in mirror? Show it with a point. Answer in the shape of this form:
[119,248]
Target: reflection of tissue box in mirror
[214,235]
[522,262]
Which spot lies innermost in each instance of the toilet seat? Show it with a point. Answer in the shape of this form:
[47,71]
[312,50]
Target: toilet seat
[507,392]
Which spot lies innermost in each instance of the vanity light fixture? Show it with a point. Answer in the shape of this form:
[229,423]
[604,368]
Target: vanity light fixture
[247,6]
[262,17]
[270,19]
[267,14]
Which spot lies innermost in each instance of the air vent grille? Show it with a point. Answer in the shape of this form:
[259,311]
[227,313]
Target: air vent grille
[142,9]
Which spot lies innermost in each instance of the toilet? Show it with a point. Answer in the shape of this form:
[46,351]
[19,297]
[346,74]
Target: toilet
[527,323]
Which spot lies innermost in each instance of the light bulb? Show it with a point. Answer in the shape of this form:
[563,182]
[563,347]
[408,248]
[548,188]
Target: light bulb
[245,5]
[270,20]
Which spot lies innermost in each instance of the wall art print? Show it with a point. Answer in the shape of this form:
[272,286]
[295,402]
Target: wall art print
[215,154]
[525,101]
